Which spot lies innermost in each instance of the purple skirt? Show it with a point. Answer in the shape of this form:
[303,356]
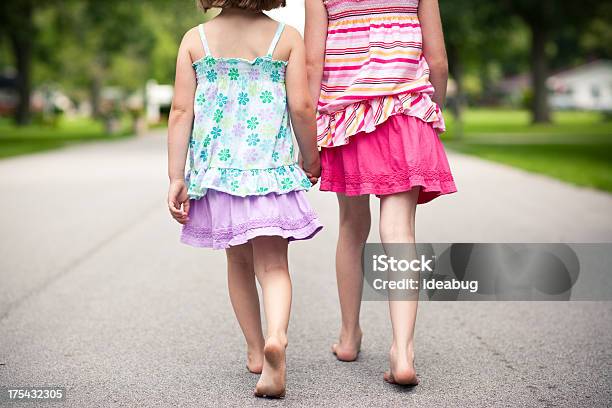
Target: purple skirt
[220,220]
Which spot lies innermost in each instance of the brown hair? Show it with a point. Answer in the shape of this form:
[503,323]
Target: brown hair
[252,5]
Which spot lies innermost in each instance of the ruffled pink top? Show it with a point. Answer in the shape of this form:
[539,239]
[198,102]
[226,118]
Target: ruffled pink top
[374,68]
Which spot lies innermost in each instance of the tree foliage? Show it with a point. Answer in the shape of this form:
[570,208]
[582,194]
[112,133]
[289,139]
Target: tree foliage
[84,45]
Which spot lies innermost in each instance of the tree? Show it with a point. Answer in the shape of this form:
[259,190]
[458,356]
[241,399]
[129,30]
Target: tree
[84,45]
[466,39]
[16,22]
[545,19]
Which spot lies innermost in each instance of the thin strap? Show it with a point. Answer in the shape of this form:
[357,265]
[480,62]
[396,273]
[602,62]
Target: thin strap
[279,31]
[204,42]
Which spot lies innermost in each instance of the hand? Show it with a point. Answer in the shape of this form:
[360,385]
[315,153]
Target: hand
[313,179]
[313,169]
[178,201]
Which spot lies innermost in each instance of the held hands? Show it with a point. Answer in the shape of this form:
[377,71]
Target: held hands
[312,168]
[178,201]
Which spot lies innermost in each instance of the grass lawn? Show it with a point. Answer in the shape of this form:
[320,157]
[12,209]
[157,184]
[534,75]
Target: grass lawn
[576,147]
[33,138]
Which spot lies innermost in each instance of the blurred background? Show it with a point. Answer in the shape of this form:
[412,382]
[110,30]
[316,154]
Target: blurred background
[531,81]
[98,295]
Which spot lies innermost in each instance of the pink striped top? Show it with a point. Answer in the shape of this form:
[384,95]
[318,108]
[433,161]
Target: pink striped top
[374,68]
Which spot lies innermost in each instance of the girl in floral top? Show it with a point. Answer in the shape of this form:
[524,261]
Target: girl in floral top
[243,190]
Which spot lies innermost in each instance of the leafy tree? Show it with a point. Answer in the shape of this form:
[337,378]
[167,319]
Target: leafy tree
[16,22]
[84,45]
[546,19]
[472,31]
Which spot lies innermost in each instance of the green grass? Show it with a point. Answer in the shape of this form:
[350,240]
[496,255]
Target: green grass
[576,147]
[15,140]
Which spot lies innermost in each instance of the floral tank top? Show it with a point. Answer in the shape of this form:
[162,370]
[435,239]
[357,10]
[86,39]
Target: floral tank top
[241,141]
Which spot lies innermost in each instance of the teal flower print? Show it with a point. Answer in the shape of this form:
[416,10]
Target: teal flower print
[282,132]
[286,183]
[233,74]
[223,177]
[253,139]
[262,189]
[200,100]
[215,132]
[203,155]
[252,123]
[267,65]
[218,115]
[291,151]
[243,98]
[275,156]
[281,170]
[266,97]
[224,155]
[211,76]
[275,76]
[210,61]
[235,185]
[206,141]
[306,183]
[221,100]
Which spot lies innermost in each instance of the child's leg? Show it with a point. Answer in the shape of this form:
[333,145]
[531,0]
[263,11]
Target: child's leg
[245,301]
[272,270]
[397,213]
[353,233]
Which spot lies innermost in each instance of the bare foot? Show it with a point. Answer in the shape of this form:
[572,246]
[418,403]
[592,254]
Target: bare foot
[255,361]
[349,346]
[271,384]
[402,371]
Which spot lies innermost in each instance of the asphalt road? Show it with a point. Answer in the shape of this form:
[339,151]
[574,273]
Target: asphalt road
[98,296]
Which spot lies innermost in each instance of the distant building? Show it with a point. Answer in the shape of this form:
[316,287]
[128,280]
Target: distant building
[157,97]
[587,87]
[512,90]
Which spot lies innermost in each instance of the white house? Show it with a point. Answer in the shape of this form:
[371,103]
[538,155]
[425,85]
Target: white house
[587,87]
[156,97]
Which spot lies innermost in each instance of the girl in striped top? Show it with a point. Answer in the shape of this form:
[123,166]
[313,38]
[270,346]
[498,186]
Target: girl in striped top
[378,71]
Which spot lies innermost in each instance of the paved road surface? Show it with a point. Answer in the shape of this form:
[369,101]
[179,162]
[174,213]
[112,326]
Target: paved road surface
[97,295]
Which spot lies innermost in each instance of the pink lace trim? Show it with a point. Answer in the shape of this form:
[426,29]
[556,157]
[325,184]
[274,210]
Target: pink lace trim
[395,178]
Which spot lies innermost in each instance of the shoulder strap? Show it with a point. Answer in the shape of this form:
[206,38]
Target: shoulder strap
[279,31]
[203,38]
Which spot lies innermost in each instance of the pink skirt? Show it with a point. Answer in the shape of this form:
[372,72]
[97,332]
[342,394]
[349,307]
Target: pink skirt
[220,220]
[401,153]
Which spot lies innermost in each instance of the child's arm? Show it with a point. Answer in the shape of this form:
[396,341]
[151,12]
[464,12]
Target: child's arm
[433,48]
[315,36]
[301,106]
[179,129]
